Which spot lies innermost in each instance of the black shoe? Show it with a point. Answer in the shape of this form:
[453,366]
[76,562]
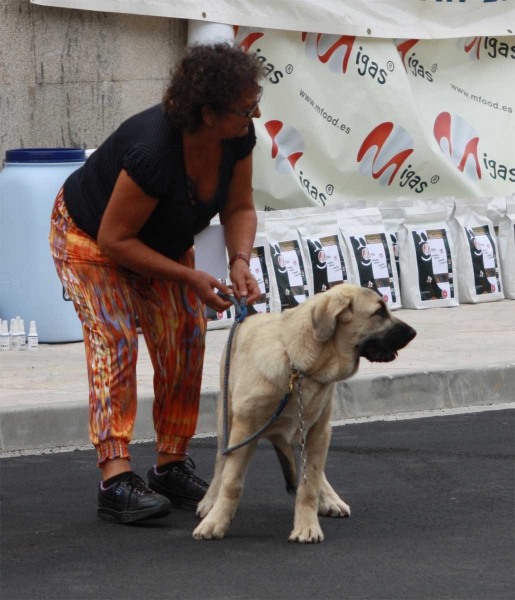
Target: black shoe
[129,499]
[178,483]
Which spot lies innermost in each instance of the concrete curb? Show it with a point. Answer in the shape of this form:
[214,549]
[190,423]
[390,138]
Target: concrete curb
[37,427]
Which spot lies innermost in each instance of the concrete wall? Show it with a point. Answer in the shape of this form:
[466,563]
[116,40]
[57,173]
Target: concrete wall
[70,77]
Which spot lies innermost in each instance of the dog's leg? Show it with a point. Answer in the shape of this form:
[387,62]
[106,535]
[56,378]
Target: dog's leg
[306,526]
[216,523]
[286,456]
[206,504]
[329,503]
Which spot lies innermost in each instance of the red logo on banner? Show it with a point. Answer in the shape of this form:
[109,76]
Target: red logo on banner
[403,47]
[384,150]
[458,140]
[472,46]
[287,145]
[244,37]
[411,63]
[335,50]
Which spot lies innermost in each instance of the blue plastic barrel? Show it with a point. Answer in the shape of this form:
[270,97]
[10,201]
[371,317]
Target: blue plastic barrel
[29,285]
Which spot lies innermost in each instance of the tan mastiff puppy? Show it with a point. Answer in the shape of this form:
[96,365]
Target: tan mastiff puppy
[324,339]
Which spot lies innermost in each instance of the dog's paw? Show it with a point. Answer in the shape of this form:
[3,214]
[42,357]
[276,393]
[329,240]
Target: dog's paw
[333,507]
[204,506]
[210,530]
[307,535]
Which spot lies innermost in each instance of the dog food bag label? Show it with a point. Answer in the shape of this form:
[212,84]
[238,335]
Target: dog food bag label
[259,270]
[478,268]
[326,261]
[483,251]
[288,277]
[507,248]
[434,264]
[289,272]
[219,320]
[373,258]
[371,253]
[396,255]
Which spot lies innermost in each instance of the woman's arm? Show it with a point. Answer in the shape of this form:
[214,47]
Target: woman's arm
[128,210]
[239,220]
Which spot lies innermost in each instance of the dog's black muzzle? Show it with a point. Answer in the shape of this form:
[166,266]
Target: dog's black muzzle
[384,347]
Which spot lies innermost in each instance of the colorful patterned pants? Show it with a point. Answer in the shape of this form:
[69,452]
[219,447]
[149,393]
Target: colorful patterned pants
[107,297]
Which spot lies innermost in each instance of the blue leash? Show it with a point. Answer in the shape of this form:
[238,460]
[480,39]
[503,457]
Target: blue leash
[241,313]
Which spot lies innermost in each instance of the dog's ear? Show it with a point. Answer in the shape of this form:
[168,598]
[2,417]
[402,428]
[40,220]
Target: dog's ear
[325,313]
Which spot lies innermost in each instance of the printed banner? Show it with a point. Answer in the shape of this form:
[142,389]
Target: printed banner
[347,118]
[374,18]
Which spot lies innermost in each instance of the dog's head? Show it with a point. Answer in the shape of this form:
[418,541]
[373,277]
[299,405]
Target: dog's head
[350,322]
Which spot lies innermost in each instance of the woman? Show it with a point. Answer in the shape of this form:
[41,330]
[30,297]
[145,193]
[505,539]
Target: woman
[121,237]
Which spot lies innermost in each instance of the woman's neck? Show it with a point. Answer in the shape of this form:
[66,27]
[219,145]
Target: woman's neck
[202,138]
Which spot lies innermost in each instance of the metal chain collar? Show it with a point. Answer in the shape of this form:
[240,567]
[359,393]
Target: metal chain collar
[302,426]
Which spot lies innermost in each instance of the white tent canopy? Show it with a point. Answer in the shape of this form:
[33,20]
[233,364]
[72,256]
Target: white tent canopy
[420,19]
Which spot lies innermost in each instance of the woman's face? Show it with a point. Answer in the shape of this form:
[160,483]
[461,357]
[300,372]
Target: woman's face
[235,120]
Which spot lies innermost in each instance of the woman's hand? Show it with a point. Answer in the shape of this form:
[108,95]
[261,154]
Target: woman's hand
[243,282]
[204,284]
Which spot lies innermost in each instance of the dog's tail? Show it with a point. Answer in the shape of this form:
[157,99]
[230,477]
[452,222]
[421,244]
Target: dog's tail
[287,461]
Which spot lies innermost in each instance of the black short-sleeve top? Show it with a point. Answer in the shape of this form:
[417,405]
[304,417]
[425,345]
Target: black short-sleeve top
[150,149]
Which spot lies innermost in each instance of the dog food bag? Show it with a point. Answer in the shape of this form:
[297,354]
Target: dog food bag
[219,320]
[371,252]
[322,244]
[393,213]
[495,211]
[507,248]
[427,259]
[260,265]
[290,287]
[478,270]
[445,203]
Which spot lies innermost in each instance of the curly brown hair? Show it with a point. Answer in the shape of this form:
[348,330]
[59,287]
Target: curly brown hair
[213,75]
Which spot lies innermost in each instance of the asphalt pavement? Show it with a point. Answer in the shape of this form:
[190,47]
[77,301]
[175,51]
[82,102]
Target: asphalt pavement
[432,518]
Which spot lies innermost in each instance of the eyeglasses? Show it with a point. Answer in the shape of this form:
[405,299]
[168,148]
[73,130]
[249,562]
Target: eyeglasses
[248,113]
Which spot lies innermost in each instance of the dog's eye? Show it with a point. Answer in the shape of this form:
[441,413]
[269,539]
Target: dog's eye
[380,312]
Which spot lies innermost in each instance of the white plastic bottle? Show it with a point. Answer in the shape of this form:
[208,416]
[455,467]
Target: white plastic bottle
[12,333]
[32,338]
[4,336]
[15,334]
[23,335]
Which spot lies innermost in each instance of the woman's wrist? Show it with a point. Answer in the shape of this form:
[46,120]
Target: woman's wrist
[239,256]
[186,276]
